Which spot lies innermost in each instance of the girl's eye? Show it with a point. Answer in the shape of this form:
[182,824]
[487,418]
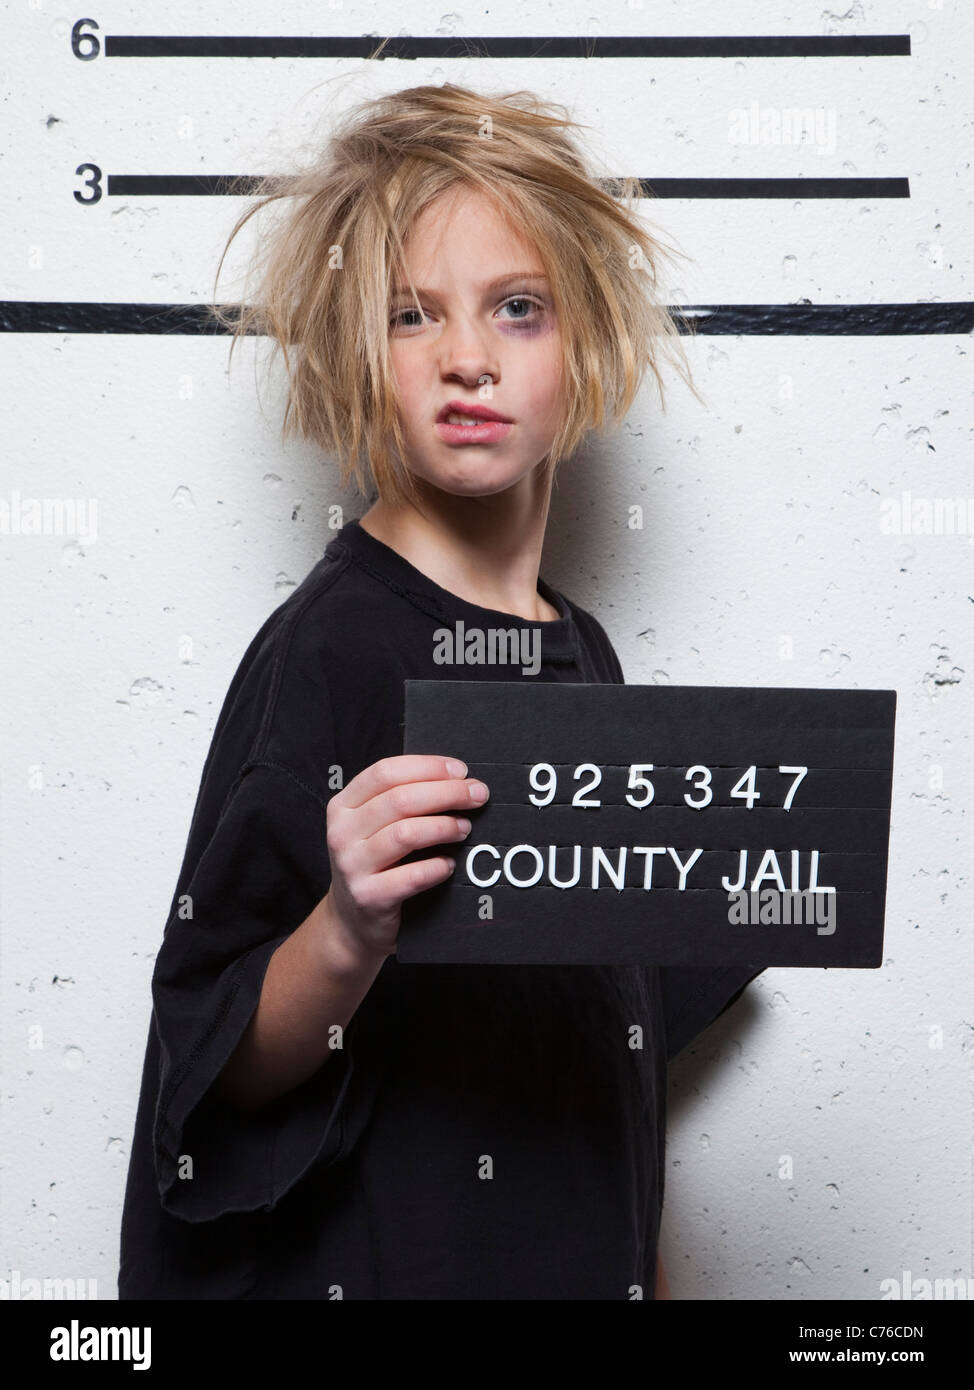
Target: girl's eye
[396,319]
[524,305]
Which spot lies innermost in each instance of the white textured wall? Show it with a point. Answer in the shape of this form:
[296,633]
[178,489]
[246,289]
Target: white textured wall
[762,523]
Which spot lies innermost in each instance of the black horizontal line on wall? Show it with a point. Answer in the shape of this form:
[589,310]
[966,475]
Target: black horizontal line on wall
[777,188]
[814,320]
[829,320]
[244,185]
[499,46]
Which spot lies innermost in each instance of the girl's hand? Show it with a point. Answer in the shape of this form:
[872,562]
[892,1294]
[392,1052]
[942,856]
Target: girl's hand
[391,808]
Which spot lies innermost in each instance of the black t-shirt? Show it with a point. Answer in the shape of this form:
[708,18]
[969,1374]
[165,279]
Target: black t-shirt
[485,1131]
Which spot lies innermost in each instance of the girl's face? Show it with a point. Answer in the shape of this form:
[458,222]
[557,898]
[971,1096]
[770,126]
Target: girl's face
[487,338]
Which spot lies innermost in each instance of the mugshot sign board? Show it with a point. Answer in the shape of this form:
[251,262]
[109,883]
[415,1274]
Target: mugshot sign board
[658,825]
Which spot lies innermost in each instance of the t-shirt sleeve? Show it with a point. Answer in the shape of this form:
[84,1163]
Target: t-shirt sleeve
[694,997]
[243,889]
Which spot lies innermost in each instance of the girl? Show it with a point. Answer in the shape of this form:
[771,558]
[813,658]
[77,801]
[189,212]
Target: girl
[458,302]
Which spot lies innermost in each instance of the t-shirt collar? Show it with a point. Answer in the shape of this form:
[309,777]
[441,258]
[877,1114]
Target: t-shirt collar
[558,636]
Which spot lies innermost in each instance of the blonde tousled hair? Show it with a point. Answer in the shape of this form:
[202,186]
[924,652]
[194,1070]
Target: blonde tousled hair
[322,278]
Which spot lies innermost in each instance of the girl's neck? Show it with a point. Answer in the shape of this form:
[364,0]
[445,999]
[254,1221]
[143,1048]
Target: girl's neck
[486,550]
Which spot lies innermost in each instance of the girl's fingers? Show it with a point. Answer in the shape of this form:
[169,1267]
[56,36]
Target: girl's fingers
[387,890]
[387,773]
[393,842]
[403,801]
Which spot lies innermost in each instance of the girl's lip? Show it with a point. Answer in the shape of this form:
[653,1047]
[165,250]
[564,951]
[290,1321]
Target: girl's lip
[480,412]
[489,432]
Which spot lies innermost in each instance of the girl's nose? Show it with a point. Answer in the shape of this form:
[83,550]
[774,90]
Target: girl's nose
[465,352]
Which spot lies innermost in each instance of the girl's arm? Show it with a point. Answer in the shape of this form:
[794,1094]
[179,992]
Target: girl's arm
[320,974]
[315,979]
